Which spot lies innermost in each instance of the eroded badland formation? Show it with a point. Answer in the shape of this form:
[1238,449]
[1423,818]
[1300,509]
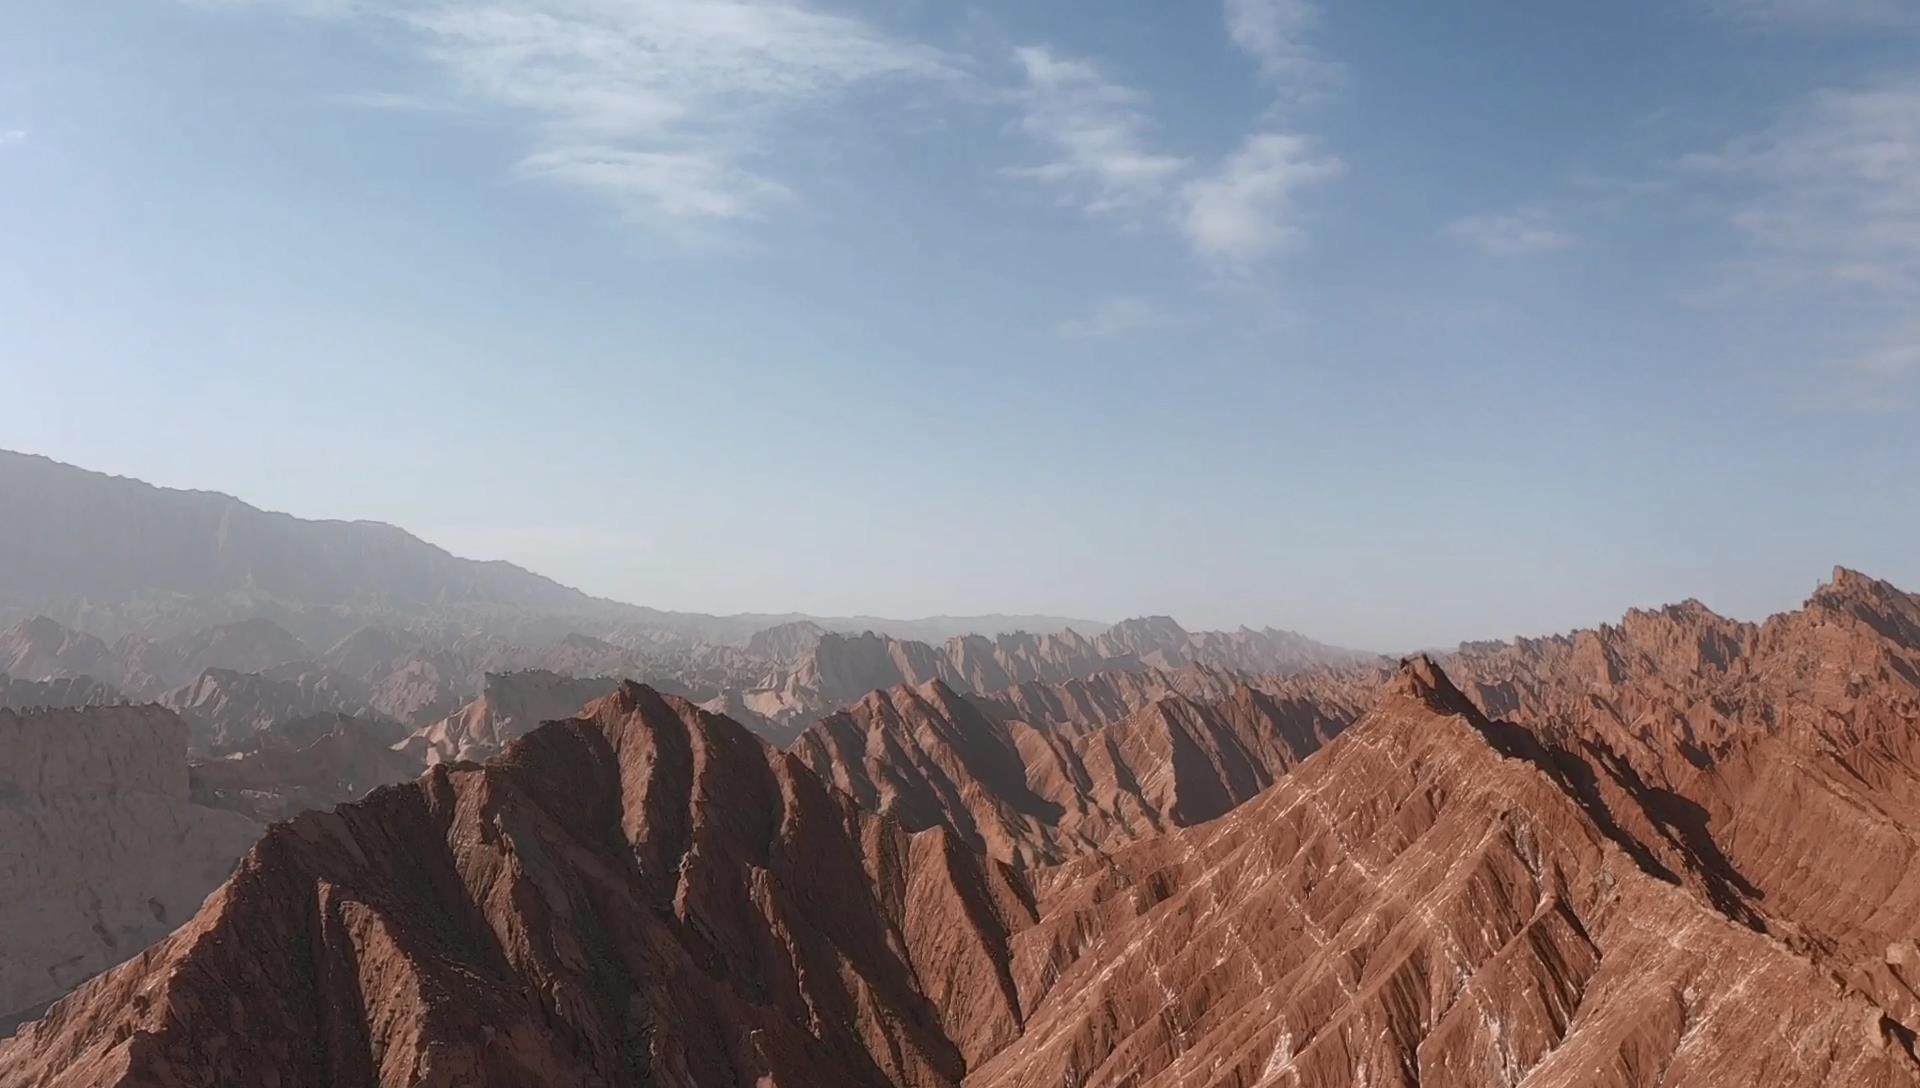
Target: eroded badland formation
[436,825]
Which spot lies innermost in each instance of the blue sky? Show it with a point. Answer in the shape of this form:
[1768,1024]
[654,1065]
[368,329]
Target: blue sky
[1395,324]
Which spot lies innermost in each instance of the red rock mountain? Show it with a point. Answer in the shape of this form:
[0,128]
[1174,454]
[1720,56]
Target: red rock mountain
[1778,763]
[650,895]
[1434,900]
[1678,850]
[646,895]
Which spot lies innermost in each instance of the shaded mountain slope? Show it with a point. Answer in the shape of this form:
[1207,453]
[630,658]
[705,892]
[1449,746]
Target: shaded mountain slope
[1037,795]
[644,895]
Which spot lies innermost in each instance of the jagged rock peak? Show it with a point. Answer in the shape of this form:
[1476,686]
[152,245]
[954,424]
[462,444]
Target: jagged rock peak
[1421,679]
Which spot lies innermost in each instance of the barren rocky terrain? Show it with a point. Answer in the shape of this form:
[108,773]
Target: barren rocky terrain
[1676,850]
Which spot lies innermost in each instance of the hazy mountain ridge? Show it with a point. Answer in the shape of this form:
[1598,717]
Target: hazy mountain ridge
[116,556]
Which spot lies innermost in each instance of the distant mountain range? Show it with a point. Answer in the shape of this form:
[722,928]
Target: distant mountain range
[114,556]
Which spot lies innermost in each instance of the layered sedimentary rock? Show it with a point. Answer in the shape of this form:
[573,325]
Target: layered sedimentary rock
[647,895]
[101,850]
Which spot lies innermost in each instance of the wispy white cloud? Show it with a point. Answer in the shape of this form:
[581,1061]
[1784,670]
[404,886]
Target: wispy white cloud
[1275,33]
[1115,317]
[665,107]
[1097,131]
[1831,191]
[1244,210]
[691,184]
[391,102]
[1519,232]
[1827,200]
[1895,357]
[11,136]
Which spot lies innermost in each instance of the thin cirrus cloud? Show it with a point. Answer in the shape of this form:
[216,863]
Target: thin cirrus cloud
[1244,211]
[1097,132]
[1275,33]
[676,113]
[1827,200]
[1515,233]
[1113,317]
[1233,213]
[1831,190]
[663,108]
[11,136]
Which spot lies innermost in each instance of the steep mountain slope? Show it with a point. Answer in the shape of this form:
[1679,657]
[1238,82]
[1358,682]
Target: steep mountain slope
[644,895]
[1434,900]
[101,851]
[1036,795]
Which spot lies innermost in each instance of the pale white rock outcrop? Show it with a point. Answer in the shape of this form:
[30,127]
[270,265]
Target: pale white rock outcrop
[101,851]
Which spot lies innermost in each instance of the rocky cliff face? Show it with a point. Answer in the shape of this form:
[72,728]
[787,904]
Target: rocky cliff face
[101,851]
